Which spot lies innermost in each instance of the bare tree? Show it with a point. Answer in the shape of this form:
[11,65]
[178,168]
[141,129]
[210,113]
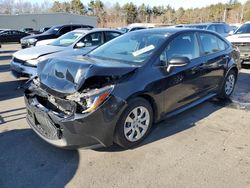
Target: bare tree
[7,6]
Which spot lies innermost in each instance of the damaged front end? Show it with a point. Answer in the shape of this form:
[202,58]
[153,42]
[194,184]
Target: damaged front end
[69,109]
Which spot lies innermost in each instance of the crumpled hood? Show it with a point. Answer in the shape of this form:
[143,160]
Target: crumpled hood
[66,76]
[239,38]
[36,52]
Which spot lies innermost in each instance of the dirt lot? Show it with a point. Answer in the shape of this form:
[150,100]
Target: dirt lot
[207,146]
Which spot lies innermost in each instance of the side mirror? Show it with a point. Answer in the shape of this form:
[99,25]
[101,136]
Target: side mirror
[231,33]
[80,44]
[177,62]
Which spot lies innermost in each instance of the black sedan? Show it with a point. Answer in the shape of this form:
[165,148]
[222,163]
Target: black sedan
[51,34]
[11,36]
[117,91]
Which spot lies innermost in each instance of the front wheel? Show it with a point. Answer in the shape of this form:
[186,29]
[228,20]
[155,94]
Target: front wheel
[228,85]
[134,124]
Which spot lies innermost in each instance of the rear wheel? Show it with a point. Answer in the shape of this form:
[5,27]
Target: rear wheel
[228,85]
[134,124]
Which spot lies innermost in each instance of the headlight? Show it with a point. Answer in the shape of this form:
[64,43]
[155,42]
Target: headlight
[32,41]
[33,62]
[23,41]
[92,99]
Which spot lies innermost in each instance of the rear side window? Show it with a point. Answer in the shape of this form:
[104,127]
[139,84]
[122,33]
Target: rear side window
[75,27]
[137,28]
[184,45]
[211,28]
[211,43]
[65,29]
[220,28]
[111,35]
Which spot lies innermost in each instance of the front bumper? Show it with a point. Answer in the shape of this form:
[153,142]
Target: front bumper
[20,70]
[91,130]
[244,49]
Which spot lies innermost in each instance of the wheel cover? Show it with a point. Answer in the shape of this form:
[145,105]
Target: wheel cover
[229,85]
[136,124]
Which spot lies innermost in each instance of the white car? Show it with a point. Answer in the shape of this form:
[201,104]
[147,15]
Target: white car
[241,39]
[77,42]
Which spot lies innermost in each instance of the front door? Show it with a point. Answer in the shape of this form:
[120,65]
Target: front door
[182,85]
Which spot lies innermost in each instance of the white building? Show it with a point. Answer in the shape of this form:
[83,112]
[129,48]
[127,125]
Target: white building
[37,21]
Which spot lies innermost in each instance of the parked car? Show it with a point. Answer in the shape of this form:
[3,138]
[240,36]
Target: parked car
[51,34]
[117,91]
[219,27]
[136,26]
[241,39]
[77,42]
[11,36]
[26,30]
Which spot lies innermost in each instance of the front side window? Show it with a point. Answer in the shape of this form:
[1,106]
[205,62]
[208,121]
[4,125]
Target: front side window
[211,43]
[184,45]
[67,39]
[92,39]
[133,48]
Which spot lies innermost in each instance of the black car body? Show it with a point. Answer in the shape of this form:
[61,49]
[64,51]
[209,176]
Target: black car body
[52,33]
[89,101]
[11,36]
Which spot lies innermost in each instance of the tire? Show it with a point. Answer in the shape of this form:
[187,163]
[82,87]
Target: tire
[126,133]
[228,85]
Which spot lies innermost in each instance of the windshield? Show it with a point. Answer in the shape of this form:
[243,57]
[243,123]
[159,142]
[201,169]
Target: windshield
[67,39]
[134,47]
[245,28]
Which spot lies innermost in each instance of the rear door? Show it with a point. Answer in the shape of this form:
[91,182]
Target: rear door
[16,35]
[215,59]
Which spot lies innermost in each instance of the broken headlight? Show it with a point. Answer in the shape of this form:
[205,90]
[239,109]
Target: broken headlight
[92,99]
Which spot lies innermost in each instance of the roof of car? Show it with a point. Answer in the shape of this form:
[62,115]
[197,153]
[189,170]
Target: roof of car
[165,29]
[208,23]
[96,29]
[171,30]
[71,24]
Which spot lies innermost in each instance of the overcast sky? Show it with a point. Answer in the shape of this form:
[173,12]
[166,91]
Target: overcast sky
[173,3]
